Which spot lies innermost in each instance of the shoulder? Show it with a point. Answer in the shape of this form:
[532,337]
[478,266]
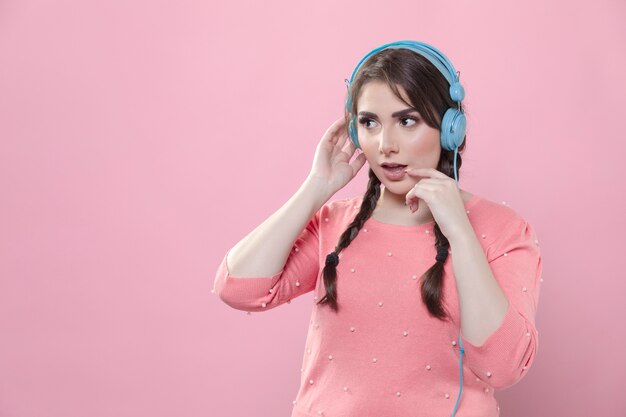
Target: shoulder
[497,214]
[340,212]
[341,209]
[500,226]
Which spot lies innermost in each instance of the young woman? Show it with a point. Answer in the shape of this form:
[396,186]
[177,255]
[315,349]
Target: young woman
[421,289]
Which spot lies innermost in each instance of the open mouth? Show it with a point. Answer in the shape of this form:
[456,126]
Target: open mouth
[394,167]
[394,172]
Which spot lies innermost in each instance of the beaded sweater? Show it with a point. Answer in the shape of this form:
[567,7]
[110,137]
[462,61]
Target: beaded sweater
[383,354]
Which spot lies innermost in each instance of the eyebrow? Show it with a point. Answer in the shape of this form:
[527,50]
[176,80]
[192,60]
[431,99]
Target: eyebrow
[396,114]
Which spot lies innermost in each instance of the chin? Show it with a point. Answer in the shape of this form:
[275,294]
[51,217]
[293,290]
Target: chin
[402,186]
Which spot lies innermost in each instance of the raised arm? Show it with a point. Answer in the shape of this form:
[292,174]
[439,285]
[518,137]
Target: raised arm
[279,259]
[264,251]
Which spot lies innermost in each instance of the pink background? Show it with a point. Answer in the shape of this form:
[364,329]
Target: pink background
[141,140]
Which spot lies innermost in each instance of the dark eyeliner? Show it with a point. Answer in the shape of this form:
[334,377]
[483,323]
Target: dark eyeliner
[363,120]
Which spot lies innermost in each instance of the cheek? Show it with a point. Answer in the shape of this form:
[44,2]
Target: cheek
[368,149]
[424,145]
[421,149]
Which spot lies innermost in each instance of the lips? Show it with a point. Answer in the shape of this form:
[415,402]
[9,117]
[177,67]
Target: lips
[394,172]
[392,166]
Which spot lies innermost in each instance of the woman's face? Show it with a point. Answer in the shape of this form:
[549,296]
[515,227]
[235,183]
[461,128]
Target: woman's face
[402,138]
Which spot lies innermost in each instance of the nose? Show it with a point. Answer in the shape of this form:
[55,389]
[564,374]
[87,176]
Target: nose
[387,144]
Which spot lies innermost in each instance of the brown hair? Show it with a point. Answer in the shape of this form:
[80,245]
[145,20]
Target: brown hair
[428,91]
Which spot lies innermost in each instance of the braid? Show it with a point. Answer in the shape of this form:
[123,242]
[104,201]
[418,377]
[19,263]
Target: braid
[367,208]
[431,286]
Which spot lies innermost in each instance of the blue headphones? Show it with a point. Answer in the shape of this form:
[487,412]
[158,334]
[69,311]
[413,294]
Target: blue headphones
[452,126]
[453,123]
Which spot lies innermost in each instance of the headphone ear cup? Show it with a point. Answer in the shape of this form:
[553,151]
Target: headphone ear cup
[453,128]
[353,133]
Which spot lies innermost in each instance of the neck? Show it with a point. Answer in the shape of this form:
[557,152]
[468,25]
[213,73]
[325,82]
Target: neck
[392,205]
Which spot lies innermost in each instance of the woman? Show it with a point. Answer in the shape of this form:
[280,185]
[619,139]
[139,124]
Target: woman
[390,329]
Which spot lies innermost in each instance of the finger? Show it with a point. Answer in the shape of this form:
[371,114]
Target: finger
[431,180]
[413,204]
[351,146]
[409,196]
[425,172]
[416,192]
[338,122]
[342,135]
[335,127]
[342,139]
[412,199]
[358,163]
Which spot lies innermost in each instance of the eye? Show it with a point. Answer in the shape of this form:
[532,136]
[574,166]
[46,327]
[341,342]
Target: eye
[410,118]
[365,120]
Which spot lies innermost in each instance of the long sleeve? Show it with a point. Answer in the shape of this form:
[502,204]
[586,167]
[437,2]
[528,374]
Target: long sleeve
[297,277]
[507,354]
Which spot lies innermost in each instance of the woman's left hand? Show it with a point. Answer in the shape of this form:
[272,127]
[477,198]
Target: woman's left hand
[444,200]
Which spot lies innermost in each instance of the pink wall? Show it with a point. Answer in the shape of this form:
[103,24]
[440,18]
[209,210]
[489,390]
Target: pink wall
[141,140]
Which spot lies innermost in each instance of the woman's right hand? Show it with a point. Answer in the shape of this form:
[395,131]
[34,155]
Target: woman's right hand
[332,168]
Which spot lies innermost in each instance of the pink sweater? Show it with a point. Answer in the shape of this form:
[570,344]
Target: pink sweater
[383,354]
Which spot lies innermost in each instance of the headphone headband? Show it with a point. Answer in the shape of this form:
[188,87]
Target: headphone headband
[434,55]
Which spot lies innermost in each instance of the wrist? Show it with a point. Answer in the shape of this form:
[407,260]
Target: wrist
[464,234]
[318,189]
